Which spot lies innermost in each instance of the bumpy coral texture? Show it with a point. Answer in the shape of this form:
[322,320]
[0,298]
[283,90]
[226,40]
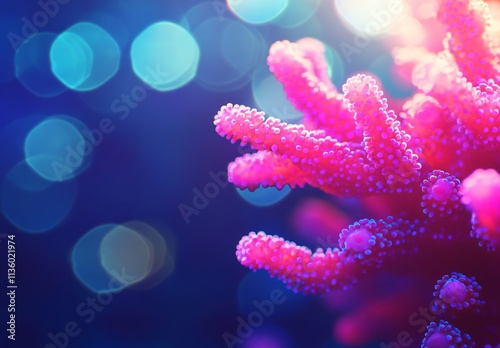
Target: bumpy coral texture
[436,162]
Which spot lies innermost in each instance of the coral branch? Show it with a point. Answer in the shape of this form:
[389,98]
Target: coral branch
[354,144]
[469,37]
[324,162]
[267,169]
[300,67]
[385,143]
[436,132]
[475,107]
[364,244]
[370,242]
[296,266]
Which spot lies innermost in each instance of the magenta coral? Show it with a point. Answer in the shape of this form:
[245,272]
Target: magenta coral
[295,265]
[422,161]
[470,38]
[441,194]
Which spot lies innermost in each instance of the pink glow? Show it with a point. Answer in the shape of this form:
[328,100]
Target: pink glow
[418,166]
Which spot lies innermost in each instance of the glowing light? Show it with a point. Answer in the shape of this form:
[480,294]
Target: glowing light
[257,11]
[165,56]
[263,197]
[269,95]
[336,69]
[33,66]
[162,253]
[71,59]
[56,149]
[372,19]
[297,12]
[203,11]
[112,257]
[393,83]
[32,203]
[85,56]
[86,262]
[125,249]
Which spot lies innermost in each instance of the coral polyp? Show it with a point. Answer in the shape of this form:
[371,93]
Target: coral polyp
[435,162]
[443,334]
[458,292]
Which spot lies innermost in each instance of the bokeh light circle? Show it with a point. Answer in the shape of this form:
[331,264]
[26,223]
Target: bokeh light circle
[257,11]
[86,262]
[72,59]
[336,68]
[230,52]
[112,257]
[32,203]
[297,12]
[270,97]
[32,63]
[373,19]
[393,83]
[264,197]
[124,249]
[85,56]
[161,250]
[201,12]
[165,56]
[56,148]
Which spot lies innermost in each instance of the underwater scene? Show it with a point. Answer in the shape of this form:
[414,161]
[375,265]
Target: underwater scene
[250,173]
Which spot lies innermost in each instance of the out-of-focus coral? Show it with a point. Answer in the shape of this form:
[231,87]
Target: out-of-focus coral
[437,161]
[315,220]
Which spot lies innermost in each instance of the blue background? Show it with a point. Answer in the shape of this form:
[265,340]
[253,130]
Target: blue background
[144,170]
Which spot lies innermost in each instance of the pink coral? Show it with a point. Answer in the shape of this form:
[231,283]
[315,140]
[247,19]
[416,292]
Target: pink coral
[481,193]
[419,161]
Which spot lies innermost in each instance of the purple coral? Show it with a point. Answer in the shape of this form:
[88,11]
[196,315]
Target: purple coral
[456,291]
[423,160]
[444,335]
